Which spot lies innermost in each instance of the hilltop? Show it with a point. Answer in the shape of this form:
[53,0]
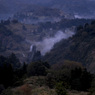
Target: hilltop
[35,14]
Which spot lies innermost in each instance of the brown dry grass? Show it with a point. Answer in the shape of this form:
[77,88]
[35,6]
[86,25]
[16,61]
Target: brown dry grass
[29,90]
[43,91]
[23,90]
[32,86]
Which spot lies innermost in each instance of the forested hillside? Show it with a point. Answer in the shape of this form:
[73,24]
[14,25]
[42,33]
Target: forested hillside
[80,48]
[17,37]
[8,39]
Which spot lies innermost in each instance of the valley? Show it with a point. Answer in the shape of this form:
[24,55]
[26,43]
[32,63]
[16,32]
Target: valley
[37,34]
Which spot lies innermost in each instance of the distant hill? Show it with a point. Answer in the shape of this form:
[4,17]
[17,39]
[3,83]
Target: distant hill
[79,7]
[9,42]
[34,14]
[80,48]
[13,38]
[83,8]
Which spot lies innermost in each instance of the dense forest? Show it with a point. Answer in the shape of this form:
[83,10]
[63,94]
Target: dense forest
[70,76]
[78,48]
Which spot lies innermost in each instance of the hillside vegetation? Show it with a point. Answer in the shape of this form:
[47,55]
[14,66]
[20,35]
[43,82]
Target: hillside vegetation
[80,48]
[40,79]
[65,75]
[34,14]
[16,37]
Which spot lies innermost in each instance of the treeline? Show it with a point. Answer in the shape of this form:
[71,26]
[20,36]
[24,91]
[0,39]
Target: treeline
[8,21]
[64,23]
[11,70]
[70,76]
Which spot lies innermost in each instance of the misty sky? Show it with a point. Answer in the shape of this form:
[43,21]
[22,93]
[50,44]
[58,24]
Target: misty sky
[81,7]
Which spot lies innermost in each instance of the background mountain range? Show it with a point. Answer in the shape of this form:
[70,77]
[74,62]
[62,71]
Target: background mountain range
[80,7]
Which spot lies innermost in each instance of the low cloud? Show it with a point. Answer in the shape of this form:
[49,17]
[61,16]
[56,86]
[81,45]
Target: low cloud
[47,44]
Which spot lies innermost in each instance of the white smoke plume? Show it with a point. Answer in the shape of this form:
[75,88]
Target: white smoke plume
[84,16]
[47,44]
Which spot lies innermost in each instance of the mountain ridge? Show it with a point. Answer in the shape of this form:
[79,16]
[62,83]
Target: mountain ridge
[79,48]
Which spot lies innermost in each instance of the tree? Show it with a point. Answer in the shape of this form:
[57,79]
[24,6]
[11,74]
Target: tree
[86,79]
[7,22]
[92,89]
[79,27]
[80,79]
[7,92]
[36,69]
[1,88]
[93,22]
[7,75]
[37,56]
[24,68]
[14,61]
[15,21]
[24,28]
[50,81]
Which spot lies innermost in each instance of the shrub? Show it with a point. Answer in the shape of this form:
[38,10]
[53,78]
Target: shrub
[37,68]
[7,92]
[92,89]
[25,89]
[60,89]
[50,81]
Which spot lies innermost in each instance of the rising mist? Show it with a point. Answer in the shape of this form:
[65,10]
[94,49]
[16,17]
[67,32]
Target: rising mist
[47,44]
